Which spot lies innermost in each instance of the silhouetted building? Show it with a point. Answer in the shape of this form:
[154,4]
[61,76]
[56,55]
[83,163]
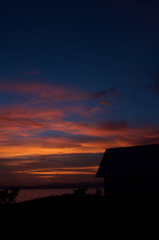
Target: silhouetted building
[130,171]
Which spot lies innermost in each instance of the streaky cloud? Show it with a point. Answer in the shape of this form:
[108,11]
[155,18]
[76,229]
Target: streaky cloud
[106,103]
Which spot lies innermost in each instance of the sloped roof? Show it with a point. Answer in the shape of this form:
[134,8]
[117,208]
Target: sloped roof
[130,161]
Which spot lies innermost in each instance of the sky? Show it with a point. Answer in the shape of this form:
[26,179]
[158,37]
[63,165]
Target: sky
[76,77]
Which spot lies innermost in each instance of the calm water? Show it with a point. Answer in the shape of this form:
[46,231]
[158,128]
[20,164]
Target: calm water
[28,194]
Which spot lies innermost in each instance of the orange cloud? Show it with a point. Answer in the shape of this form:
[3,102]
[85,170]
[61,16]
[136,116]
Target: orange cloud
[55,172]
[95,139]
[60,171]
[18,163]
[29,129]
[43,91]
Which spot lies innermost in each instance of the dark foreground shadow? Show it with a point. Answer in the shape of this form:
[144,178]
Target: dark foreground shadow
[82,217]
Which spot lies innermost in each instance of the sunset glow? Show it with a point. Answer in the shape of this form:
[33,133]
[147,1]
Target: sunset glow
[72,84]
[34,131]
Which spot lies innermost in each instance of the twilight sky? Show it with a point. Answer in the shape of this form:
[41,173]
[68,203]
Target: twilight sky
[76,77]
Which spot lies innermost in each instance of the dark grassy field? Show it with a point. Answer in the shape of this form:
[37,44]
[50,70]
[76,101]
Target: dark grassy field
[81,217]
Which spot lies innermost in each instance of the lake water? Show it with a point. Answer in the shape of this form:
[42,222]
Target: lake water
[29,194]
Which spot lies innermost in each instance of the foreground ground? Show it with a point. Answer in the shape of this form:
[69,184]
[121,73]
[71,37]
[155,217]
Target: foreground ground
[81,217]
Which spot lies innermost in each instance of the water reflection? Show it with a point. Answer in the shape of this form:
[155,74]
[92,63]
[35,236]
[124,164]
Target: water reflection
[28,194]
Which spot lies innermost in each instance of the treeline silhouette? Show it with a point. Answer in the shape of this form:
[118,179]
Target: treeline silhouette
[82,191]
[7,196]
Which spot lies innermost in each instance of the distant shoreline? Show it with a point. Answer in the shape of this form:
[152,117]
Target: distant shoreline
[60,185]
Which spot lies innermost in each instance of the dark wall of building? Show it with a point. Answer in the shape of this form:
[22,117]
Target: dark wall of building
[137,186]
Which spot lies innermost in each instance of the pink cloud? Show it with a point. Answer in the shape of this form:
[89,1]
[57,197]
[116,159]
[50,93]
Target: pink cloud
[106,103]
[48,92]
[43,92]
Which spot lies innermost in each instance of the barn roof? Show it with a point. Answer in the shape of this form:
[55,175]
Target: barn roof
[130,161]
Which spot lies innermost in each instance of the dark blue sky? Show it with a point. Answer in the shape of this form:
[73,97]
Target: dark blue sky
[76,77]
